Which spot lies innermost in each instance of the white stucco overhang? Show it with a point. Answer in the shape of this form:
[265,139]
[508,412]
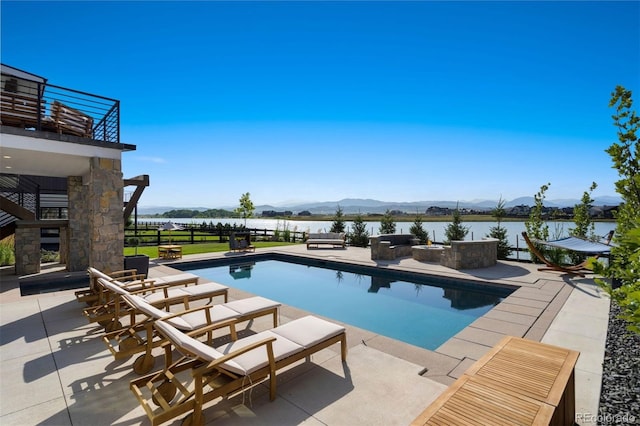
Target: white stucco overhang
[25,155]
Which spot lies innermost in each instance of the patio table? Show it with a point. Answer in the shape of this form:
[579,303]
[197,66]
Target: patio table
[517,377]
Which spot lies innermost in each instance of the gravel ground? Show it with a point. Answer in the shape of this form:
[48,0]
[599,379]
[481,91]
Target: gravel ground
[620,395]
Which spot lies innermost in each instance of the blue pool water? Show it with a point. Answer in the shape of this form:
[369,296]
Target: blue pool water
[418,313]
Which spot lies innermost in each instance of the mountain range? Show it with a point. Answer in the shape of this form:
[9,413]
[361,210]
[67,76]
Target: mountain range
[358,205]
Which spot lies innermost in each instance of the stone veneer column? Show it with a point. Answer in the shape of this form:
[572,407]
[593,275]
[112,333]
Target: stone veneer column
[107,227]
[78,236]
[28,250]
[96,225]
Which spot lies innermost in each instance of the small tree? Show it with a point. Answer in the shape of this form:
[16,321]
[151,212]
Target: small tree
[418,230]
[500,232]
[455,231]
[387,224]
[536,227]
[338,224]
[359,237]
[246,208]
[625,254]
[585,228]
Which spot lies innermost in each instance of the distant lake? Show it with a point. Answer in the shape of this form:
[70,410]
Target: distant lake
[477,230]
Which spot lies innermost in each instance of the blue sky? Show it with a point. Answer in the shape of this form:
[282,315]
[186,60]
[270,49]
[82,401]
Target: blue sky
[319,101]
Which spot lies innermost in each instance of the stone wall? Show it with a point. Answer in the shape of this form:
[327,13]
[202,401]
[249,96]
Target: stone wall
[28,251]
[78,236]
[107,230]
[470,254]
[96,224]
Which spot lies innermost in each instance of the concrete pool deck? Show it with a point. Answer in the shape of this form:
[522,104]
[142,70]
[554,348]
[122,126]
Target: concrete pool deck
[56,370]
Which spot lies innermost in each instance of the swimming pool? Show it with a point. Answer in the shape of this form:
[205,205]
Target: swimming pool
[422,311]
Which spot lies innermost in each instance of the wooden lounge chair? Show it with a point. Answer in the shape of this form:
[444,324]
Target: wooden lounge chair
[134,281]
[578,269]
[140,336]
[91,295]
[114,308]
[229,369]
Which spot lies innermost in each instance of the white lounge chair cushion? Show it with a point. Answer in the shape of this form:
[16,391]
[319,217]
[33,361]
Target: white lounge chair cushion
[140,304]
[98,274]
[255,359]
[198,318]
[130,285]
[158,295]
[204,289]
[184,278]
[181,340]
[251,305]
[308,331]
[113,287]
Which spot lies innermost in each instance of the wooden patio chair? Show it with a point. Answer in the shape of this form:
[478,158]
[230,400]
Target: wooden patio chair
[141,336]
[95,295]
[204,373]
[109,313]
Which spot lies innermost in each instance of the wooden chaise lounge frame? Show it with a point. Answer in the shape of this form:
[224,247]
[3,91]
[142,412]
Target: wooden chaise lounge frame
[222,382]
[112,308]
[140,335]
[91,295]
[551,266]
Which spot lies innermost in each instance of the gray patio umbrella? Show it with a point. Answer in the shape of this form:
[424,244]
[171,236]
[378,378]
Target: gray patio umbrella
[170,226]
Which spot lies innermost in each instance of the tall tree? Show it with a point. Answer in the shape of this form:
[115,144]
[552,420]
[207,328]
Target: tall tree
[584,226]
[500,232]
[455,231]
[624,262]
[387,224]
[338,224]
[246,207]
[536,227]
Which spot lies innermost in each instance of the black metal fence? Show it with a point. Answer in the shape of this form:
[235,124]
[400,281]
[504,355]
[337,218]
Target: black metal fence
[148,234]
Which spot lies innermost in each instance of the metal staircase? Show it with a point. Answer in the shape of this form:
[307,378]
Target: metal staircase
[19,200]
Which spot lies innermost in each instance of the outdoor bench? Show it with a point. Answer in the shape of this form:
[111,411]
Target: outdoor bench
[328,238]
[391,246]
[520,381]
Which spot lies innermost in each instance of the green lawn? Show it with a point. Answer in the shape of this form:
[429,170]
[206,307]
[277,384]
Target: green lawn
[152,251]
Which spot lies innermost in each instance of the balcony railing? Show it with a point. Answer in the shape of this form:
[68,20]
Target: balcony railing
[46,107]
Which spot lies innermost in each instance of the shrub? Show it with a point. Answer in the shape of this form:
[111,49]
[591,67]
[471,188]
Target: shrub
[359,237]
[7,253]
[499,232]
[455,231]
[387,225]
[49,256]
[418,230]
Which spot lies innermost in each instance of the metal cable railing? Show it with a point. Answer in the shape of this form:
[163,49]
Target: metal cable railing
[47,107]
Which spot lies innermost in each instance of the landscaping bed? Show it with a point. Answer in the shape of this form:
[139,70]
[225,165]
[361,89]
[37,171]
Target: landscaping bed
[620,394]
